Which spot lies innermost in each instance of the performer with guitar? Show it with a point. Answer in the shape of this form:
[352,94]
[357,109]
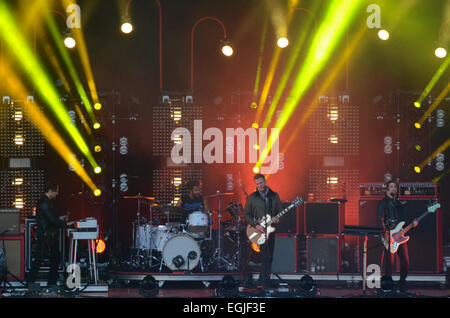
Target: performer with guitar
[390,213]
[48,225]
[260,203]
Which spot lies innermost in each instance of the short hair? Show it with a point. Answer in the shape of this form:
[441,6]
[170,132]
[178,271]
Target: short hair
[386,185]
[259,176]
[50,186]
[191,184]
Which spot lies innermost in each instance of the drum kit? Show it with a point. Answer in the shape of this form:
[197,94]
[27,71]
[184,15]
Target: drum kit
[180,240]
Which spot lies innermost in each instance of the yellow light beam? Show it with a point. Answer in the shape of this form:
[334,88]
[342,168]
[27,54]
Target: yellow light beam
[260,59]
[82,50]
[435,104]
[46,128]
[440,149]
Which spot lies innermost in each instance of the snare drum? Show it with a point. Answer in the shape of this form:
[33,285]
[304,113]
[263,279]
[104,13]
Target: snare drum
[197,222]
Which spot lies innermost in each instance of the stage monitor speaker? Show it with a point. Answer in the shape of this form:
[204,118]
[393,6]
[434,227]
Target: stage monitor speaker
[425,242]
[324,218]
[290,222]
[285,254]
[14,246]
[323,253]
[10,222]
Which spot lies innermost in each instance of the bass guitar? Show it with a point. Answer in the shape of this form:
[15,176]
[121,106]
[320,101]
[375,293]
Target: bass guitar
[398,233]
[259,238]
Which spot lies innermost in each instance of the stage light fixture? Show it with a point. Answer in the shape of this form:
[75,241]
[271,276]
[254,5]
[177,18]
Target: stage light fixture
[228,287]
[69,40]
[149,287]
[255,125]
[383,35]
[256,170]
[417,169]
[418,147]
[226,48]
[97,169]
[417,104]
[253,105]
[283,42]
[97,126]
[306,287]
[417,125]
[440,52]
[126,26]
[97,106]
[97,192]
[98,148]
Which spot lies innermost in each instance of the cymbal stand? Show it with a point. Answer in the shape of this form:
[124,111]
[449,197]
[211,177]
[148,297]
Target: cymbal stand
[218,252]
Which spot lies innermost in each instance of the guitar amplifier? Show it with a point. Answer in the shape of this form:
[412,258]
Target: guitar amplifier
[10,222]
[290,222]
[419,190]
[285,254]
[323,253]
[374,189]
[14,246]
[324,218]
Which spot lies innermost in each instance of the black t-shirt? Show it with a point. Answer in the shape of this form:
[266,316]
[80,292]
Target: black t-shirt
[390,212]
[190,205]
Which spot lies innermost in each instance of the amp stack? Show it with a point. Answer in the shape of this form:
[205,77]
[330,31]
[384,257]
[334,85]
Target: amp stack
[323,225]
[286,258]
[425,243]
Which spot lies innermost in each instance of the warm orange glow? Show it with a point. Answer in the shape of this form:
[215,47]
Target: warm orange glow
[255,247]
[101,246]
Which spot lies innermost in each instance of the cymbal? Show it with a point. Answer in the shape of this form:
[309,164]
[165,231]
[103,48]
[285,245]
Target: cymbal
[220,194]
[140,197]
[169,209]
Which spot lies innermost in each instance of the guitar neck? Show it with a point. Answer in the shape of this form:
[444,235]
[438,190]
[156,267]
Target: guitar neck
[283,212]
[411,225]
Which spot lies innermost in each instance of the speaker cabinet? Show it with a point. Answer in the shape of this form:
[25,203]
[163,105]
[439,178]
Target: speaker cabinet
[425,243]
[290,222]
[323,254]
[285,254]
[14,246]
[324,218]
[10,222]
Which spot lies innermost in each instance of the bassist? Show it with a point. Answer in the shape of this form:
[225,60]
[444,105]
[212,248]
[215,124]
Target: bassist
[261,202]
[390,213]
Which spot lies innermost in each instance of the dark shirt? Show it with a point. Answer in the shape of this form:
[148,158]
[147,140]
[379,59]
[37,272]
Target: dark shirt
[257,206]
[390,213]
[190,205]
[47,221]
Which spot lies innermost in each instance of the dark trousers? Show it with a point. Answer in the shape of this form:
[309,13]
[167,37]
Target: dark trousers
[403,256]
[266,264]
[38,249]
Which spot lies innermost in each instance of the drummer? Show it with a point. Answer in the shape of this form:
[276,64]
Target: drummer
[194,200]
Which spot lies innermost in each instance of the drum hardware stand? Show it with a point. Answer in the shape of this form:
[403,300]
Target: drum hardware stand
[221,261]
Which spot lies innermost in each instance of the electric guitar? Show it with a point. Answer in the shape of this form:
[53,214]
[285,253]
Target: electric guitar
[259,238]
[397,233]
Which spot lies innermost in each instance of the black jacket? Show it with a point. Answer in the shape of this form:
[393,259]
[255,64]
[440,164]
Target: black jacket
[47,221]
[256,207]
[390,213]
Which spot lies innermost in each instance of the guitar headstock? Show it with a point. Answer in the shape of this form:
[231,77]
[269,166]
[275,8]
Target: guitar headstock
[433,207]
[298,201]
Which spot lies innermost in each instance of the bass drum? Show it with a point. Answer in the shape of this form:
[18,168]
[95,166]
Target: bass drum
[181,252]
